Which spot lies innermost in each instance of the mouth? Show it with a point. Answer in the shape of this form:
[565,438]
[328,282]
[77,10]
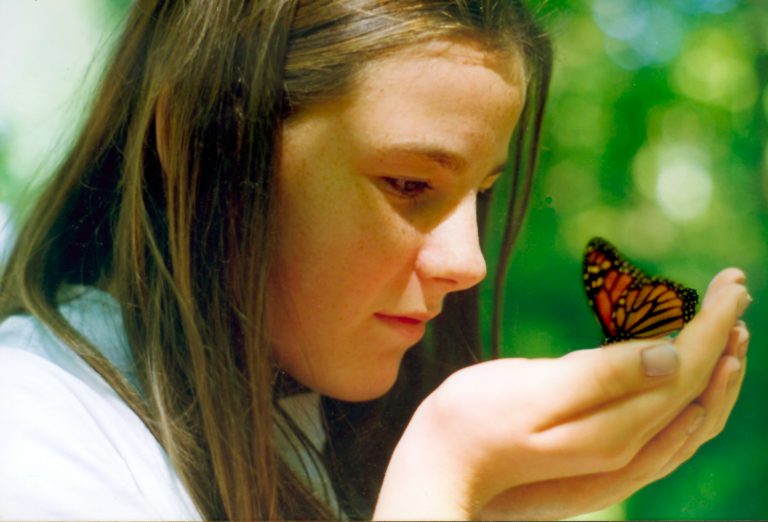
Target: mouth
[410,327]
[400,318]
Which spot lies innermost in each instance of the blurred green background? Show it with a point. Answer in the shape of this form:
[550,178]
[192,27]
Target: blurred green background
[655,139]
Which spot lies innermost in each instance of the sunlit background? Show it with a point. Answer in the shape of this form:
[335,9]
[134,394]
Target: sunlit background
[655,139]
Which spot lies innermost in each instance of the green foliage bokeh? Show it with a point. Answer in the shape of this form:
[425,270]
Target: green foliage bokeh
[656,139]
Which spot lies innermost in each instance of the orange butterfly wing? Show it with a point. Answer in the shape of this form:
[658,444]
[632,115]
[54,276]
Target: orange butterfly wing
[628,303]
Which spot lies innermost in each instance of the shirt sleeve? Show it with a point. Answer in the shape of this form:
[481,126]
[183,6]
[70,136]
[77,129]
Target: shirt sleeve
[59,456]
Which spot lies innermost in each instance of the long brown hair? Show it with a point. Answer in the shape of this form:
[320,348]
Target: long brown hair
[166,201]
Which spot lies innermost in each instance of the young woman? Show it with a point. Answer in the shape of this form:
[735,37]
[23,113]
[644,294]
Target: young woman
[268,203]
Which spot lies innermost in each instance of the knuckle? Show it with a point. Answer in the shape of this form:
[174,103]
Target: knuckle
[608,380]
[716,429]
[620,458]
[614,455]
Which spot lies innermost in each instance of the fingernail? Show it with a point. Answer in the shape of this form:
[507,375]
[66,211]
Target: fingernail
[659,360]
[744,303]
[697,422]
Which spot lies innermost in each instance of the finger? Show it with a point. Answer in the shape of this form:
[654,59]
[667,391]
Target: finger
[724,277]
[733,340]
[546,499]
[720,394]
[633,418]
[738,340]
[703,340]
[652,462]
[587,379]
[718,400]
[636,419]
[610,436]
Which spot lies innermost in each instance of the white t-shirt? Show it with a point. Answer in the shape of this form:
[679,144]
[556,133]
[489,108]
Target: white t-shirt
[70,448]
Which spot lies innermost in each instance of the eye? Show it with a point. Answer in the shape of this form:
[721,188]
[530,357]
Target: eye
[407,188]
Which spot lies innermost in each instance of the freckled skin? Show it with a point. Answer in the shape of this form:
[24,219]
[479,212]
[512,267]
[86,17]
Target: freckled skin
[349,246]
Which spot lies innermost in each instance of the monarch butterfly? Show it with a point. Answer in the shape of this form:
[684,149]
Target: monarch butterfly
[627,302]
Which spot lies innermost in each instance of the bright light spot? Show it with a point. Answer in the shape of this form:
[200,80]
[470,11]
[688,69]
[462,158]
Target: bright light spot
[46,50]
[706,6]
[621,19]
[684,186]
[642,33]
[7,232]
[716,68]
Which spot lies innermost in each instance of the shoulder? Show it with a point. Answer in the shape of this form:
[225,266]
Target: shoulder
[70,448]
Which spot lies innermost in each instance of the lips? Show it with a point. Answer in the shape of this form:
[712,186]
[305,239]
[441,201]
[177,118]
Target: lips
[411,327]
[401,318]
[412,317]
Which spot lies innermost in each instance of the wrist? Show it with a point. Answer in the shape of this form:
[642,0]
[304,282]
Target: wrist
[427,478]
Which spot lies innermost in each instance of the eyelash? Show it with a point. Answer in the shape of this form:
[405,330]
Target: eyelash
[407,188]
[413,190]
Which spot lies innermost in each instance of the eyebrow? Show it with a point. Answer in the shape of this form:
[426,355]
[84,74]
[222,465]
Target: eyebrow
[438,155]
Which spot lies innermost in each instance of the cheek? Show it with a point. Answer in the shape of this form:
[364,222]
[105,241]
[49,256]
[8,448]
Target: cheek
[337,235]
[341,250]
[340,258]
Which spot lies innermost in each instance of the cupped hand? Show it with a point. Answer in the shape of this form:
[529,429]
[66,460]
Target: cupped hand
[552,438]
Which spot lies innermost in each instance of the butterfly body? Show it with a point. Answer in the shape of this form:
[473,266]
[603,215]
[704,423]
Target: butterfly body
[628,303]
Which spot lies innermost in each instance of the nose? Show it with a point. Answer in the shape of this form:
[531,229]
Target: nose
[451,253]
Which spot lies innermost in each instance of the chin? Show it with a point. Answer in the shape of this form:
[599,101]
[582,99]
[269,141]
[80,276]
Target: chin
[370,387]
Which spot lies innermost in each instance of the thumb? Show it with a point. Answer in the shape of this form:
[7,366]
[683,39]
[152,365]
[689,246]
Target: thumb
[587,379]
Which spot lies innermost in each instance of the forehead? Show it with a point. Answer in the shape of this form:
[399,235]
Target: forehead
[413,63]
[507,63]
[454,101]
[438,78]
[449,88]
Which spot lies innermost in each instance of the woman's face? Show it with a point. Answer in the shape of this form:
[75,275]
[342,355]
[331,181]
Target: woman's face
[376,210]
